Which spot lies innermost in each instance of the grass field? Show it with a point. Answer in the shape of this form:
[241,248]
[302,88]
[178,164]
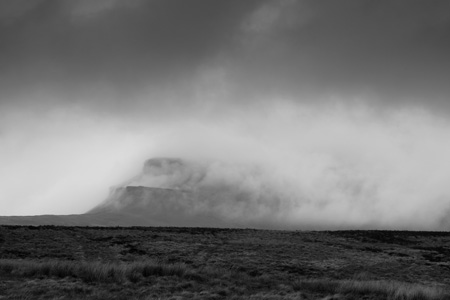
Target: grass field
[50,262]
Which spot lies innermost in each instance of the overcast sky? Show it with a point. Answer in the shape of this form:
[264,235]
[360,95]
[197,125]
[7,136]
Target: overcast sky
[90,89]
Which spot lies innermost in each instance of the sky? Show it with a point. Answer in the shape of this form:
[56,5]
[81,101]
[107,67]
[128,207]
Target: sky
[343,103]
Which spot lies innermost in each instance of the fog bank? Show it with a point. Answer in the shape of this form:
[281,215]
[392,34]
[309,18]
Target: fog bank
[315,167]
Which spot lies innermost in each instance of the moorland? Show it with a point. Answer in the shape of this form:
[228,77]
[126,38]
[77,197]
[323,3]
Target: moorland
[57,262]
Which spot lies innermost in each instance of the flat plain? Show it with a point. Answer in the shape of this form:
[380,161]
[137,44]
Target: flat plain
[57,262]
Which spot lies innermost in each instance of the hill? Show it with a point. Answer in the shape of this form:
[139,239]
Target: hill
[176,193]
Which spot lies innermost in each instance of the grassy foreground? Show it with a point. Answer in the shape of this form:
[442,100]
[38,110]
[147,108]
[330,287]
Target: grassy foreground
[200,263]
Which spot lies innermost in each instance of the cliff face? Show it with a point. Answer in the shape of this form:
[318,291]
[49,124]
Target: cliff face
[166,185]
[169,173]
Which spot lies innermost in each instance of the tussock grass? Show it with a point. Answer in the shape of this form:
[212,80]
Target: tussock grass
[90,271]
[139,271]
[391,290]
[394,290]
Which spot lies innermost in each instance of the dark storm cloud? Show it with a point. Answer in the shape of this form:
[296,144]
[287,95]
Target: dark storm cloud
[71,46]
[394,50]
[109,50]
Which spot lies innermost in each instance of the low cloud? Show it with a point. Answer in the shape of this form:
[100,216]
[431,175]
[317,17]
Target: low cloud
[316,166]
[330,165]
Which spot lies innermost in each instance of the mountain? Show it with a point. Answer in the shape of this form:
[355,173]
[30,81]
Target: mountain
[168,192]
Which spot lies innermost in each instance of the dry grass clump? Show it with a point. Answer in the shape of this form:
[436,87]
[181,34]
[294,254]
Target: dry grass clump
[90,271]
[135,272]
[394,290]
[391,290]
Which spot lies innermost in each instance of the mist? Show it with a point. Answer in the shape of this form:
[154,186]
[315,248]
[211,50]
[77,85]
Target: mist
[320,166]
[302,165]
[323,115]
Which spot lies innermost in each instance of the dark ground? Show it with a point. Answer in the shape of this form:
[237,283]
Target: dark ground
[224,263]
